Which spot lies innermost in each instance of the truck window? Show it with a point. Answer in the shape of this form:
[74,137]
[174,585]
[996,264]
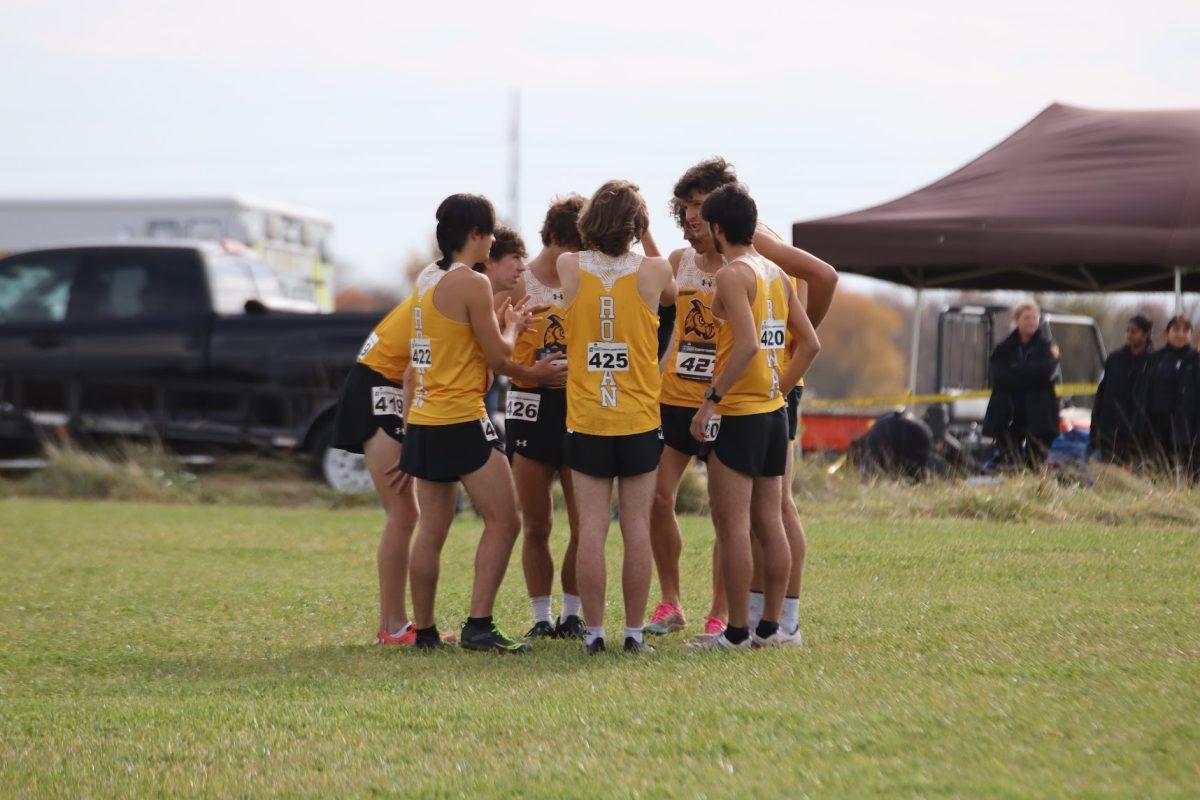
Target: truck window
[36,288]
[231,283]
[136,284]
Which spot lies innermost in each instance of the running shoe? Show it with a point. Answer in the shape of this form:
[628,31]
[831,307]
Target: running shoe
[491,638]
[406,639]
[597,646]
[570,628]
[632,645]
[713,626]
[793,639]
[774,640]
[718,642]
[667,618]
[541,630]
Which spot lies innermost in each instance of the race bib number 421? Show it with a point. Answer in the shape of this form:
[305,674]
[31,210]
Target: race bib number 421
[695,361]
[607,357]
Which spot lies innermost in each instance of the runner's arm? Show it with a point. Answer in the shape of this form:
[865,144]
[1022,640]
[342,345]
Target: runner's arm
[567,267]
[805,344]
[821,278]
[497,346]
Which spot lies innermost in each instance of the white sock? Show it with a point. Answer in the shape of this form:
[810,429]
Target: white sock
[756,608]
[571,605]
[790,621]
[634,633]
[593,633]
[541,608]
[403,629]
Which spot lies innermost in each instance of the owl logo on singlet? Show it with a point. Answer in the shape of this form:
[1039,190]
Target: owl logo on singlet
[555,336]
[699,320]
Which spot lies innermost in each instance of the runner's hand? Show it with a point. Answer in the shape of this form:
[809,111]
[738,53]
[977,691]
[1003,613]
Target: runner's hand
[550,371]
[700,420]
[515,316]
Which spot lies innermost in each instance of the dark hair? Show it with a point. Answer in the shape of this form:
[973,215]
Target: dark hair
[734,210]
[561,226]
[614,217]
[508,242]
[678,213]
[705,177]
[1179,321]
[457,217]
[1143,324]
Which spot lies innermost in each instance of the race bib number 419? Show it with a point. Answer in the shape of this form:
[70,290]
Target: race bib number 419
[607,357]
[772,335]
[387,400]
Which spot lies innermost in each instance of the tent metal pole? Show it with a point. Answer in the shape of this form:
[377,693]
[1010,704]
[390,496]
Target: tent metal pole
[914,347]
[1178,291]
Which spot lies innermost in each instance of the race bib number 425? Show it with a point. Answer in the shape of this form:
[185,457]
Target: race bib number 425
[387,400]
[420,353]
[523,406]
[773,333]
[608,357]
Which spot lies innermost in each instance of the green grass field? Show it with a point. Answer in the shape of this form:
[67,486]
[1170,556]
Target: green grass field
[224,650]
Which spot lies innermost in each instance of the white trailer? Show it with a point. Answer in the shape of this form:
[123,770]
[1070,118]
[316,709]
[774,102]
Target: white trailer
[291,239]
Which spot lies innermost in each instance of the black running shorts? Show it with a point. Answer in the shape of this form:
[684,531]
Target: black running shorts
[676,428]
[447,452]
[613,456]
[753,444]
[793,411]
[535,421]
[369,402]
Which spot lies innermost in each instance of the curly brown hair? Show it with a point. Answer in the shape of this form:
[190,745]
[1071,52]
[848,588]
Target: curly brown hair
[507,242]
[561,226]
[678,213]
[705,177]
[613,218]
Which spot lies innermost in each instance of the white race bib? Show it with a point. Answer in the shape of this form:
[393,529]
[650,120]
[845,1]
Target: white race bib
[695,361]
[773,334]
[420,353]
[489,430]
[387,400]
[608,357]
[523,406]
[712,428]
[367,345]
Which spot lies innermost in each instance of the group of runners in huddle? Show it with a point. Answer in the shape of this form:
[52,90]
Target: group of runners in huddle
[576,330]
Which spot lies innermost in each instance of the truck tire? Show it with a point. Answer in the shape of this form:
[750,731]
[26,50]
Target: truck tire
[342,471]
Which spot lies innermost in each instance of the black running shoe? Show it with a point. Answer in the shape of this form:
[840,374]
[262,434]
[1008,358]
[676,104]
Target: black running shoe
[490,638]
[434,643]
[570,628]
[597,646]
[632,645]
[541,630]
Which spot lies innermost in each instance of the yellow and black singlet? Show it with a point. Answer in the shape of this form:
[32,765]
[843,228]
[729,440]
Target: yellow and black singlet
[757,391]
[613,382]
[693,354]
[546,333]
[386,349]
[451,373]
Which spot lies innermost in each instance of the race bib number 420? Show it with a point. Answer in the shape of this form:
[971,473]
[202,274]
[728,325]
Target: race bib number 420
[387,400]
[523,406]
[420,353]
[695,361]
[607,357]
[712,428]
[772,335]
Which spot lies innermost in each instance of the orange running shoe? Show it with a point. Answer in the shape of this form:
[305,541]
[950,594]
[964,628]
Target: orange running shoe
[408,638]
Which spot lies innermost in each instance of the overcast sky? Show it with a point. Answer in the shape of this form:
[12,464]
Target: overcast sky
[373,112]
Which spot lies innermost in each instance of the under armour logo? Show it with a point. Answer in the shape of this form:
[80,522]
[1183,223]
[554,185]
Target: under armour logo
[522,443]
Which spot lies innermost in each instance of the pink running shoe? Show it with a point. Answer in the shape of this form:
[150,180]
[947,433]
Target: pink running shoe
[666,618]
[713,626]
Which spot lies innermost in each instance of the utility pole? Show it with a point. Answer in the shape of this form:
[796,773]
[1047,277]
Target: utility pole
[514,159]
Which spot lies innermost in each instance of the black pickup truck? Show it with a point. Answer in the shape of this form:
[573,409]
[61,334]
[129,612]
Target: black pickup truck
[191,343]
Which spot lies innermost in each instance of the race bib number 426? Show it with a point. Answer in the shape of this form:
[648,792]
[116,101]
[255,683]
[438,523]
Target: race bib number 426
[523,406]
[387,400]
[420,353]
[608,357]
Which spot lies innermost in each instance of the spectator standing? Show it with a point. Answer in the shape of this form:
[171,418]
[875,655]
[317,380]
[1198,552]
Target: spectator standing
[1022,414]
[1120,428]
[1174,399]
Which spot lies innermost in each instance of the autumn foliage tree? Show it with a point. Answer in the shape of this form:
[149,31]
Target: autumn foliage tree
[862,349]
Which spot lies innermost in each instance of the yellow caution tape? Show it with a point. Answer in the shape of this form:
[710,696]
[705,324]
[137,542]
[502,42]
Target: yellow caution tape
[1060,389]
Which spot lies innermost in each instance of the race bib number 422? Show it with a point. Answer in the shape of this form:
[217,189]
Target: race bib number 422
[523,406]
[420,353]
[772,335]
[607,357]
[387,400]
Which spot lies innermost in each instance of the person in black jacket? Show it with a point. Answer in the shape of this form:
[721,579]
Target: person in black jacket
[1022,414]
[1119,431]
[1173,402]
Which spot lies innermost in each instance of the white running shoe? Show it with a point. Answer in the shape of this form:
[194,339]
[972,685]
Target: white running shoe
[774,640]
[718,642]
[790,639]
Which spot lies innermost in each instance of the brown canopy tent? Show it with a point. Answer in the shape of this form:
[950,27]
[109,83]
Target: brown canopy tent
[1076,200]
